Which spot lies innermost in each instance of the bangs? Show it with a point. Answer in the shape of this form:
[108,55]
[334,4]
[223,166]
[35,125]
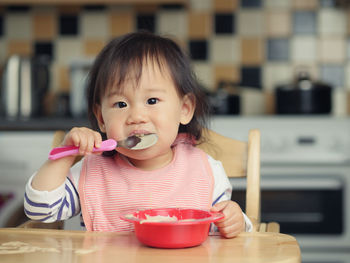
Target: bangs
[125,64]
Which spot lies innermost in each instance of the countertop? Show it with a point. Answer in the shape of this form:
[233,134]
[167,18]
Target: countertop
[42,124]
[42,245]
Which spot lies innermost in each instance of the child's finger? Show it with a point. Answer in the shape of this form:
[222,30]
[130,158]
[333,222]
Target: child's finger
[219,206]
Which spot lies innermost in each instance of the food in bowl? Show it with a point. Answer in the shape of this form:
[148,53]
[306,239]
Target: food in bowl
[172,227]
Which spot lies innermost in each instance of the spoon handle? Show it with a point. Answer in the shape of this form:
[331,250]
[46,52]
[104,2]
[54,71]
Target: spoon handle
[59,152]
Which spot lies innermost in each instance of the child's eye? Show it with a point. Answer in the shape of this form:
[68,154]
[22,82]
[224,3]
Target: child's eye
[152,101]
[120,104]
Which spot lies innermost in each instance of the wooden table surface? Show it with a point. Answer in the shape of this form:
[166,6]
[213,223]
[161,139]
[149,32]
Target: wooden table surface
[41,246]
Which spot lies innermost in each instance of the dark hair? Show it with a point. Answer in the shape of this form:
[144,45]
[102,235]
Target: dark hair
[126,55]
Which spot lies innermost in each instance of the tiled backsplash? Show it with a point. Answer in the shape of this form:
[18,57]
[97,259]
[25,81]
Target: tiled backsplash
[253,43]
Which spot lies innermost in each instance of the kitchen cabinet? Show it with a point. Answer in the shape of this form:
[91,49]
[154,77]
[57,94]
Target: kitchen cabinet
[84,2]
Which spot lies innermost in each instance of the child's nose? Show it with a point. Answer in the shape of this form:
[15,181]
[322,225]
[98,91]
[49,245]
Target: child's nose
[137,115]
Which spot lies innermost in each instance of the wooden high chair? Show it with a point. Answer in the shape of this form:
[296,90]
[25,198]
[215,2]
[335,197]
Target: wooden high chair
[240,159]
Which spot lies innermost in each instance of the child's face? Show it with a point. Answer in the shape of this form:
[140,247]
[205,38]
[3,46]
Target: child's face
[154,106]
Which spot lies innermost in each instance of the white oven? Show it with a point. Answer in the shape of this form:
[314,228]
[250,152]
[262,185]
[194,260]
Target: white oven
[310,203]
[21,154]
[305,179]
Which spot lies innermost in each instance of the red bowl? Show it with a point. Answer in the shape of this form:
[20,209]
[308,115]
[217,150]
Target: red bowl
[175,234]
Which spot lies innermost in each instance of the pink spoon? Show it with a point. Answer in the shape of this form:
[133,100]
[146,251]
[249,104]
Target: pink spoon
[135,142]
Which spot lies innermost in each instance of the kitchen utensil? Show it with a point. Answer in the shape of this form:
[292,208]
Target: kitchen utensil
[78,73]
[25,83]
[225,100]
[303,96]
[191,228]
[135,142]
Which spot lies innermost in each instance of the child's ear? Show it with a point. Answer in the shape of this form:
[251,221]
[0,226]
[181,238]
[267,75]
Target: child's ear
[188,107]
[99,118]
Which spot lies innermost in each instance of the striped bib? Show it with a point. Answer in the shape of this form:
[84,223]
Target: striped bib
[111,186]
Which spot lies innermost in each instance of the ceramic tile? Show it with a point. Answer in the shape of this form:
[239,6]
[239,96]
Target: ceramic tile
[121,22]
[251,23]
[68,49]
[305,5]
[93,47]
[70,9]
[3,50]
[229,73]
[303,49]
[270,107]
[44,26]
[44,9]
[18,8]
[339,102]
[201,5]
[173,6]
[94,25]
[143,8]
[278,4]
[200,25]
[251,3]
[225,49]
[252,50]
[204,73]
[333,74]
[327,3]
[69,25]
[332,49]
[348,103]
[1,25]
[225,5]
[304,22]
[198,49]
[18,26]
[44,49]
[94,7]
[275,74]
[146,22]
[224,23]
[172,23]
[278,49]
[332,22]
[20,47]
[348,48]
[63,78]
[251,77]
[278,23]
[347,76]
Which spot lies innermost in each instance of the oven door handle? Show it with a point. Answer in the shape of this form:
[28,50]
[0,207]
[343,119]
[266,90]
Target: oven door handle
[302,183]
[295,182]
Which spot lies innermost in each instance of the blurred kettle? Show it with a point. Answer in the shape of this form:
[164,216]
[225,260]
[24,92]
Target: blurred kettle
[25,82]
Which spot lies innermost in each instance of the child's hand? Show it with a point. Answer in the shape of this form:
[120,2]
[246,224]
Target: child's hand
[84,138]
[233,223]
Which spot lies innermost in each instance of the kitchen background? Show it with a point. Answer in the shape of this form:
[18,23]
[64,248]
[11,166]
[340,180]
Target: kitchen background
[241,50]
[252,45]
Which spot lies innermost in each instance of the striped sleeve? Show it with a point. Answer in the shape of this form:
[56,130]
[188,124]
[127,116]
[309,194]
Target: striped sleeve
[49,206]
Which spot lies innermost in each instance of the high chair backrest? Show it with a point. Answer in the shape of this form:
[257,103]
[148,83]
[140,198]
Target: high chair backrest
[240,159]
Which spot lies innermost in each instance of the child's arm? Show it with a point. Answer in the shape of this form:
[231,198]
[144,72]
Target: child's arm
[59,204]
[52,174]
[235,220]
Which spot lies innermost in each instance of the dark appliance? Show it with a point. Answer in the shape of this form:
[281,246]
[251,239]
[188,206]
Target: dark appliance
[303,96]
